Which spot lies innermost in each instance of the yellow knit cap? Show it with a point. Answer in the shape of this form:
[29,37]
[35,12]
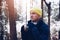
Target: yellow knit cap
[37,10]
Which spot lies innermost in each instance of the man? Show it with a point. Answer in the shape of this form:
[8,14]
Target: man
[36,28]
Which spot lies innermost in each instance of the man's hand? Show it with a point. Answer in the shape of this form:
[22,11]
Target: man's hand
[25,27]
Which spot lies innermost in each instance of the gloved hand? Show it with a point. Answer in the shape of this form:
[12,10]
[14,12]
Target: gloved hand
[25,27]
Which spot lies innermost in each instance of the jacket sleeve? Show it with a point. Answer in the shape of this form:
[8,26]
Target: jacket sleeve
[23,34]
[46,32]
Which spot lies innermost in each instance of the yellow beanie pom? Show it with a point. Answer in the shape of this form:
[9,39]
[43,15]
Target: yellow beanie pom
[37,10]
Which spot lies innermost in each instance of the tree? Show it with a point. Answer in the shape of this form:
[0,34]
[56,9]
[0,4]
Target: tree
[1,25]
[12,19]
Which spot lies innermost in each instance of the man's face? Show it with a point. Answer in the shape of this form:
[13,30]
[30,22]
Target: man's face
[34,16]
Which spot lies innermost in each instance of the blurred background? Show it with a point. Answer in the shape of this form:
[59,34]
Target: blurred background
[50,10]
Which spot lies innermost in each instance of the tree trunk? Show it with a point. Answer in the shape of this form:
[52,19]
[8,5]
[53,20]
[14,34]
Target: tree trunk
[1,25]
[12,19]
[42,7]
[59,9]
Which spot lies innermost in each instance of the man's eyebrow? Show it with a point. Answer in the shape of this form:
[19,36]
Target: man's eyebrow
[33,13]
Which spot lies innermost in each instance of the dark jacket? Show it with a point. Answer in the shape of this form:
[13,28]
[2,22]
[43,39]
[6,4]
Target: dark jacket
[36,32]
